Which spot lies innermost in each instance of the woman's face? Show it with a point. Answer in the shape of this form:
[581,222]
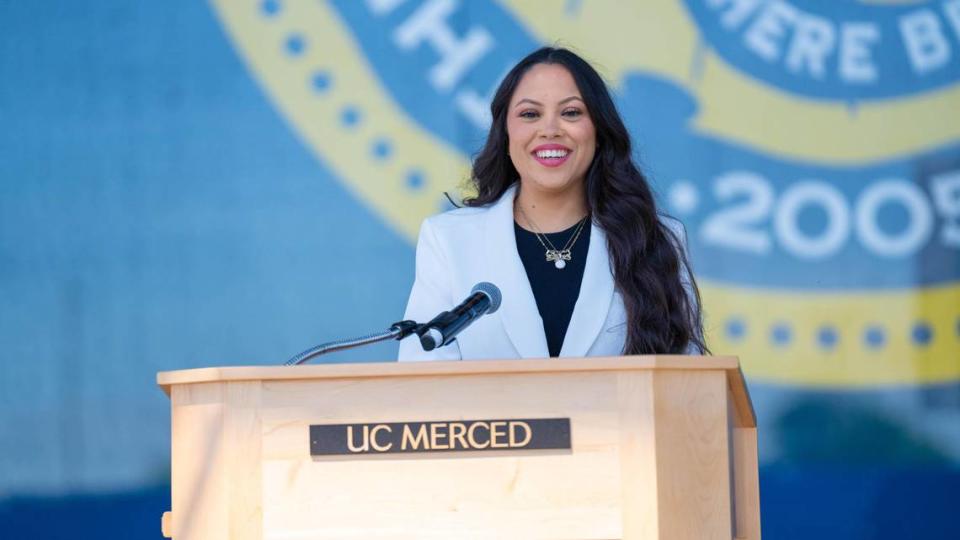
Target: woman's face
[552,138]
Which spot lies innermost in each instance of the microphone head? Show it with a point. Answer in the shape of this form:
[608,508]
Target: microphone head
[492,292]
[430,339]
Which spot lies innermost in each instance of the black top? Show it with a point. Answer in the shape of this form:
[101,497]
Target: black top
[555,290]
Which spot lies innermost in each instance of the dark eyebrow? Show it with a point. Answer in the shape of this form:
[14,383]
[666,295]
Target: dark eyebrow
[527,100]
[534,102]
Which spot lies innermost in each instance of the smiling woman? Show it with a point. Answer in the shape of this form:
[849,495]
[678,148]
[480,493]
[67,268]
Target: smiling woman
[557,158]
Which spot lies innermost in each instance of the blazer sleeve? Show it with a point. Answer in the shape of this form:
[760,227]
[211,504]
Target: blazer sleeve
[431,294]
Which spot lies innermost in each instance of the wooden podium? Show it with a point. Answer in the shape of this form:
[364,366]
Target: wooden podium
[660,447]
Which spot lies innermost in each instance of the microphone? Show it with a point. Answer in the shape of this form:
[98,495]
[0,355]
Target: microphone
[443,329]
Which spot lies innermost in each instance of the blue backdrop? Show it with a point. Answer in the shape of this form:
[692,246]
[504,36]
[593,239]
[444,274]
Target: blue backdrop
[169,200]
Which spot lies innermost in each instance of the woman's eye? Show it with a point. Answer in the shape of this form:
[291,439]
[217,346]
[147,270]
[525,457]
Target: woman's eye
[572,112]
[529,114]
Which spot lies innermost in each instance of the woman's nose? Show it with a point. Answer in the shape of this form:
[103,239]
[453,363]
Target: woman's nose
[550,127]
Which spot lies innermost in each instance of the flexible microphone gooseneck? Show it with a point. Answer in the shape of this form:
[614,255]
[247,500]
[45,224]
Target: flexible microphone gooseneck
[443,329]
[397,330]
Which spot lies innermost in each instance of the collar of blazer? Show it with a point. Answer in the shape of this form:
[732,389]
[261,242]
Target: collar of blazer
[519,314]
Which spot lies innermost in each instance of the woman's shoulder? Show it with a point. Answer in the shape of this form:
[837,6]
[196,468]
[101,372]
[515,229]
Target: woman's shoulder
[452,232]
[457,218]
[673,223]
[676,228]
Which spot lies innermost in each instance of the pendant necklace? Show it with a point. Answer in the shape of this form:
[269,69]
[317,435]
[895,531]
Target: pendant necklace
[558,257]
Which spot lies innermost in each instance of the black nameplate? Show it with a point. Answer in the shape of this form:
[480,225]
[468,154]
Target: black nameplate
[442,436]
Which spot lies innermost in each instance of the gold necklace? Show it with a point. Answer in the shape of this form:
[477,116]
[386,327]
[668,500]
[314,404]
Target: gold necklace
[558,257]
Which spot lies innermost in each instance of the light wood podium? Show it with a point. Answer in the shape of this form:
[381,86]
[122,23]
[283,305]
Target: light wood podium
[662,447]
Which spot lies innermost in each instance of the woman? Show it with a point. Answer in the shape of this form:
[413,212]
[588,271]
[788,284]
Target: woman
[565,225]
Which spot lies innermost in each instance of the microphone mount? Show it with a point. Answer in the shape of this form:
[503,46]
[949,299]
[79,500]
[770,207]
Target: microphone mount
[397,331]
[442,330]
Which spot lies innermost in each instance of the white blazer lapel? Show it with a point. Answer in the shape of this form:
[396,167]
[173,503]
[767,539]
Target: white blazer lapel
[593,304]
[518,312]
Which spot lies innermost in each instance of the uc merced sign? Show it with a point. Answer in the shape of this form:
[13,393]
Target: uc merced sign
[440,436]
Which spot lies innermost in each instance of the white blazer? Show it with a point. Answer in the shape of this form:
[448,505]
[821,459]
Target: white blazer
[458,249]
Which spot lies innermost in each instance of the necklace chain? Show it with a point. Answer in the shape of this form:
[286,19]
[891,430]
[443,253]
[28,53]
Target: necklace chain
[554,255]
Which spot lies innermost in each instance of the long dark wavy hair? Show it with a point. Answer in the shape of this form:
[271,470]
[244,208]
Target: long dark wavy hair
[650,268]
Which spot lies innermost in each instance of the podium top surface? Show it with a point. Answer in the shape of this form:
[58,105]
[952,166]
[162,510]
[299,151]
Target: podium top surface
[730,364]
